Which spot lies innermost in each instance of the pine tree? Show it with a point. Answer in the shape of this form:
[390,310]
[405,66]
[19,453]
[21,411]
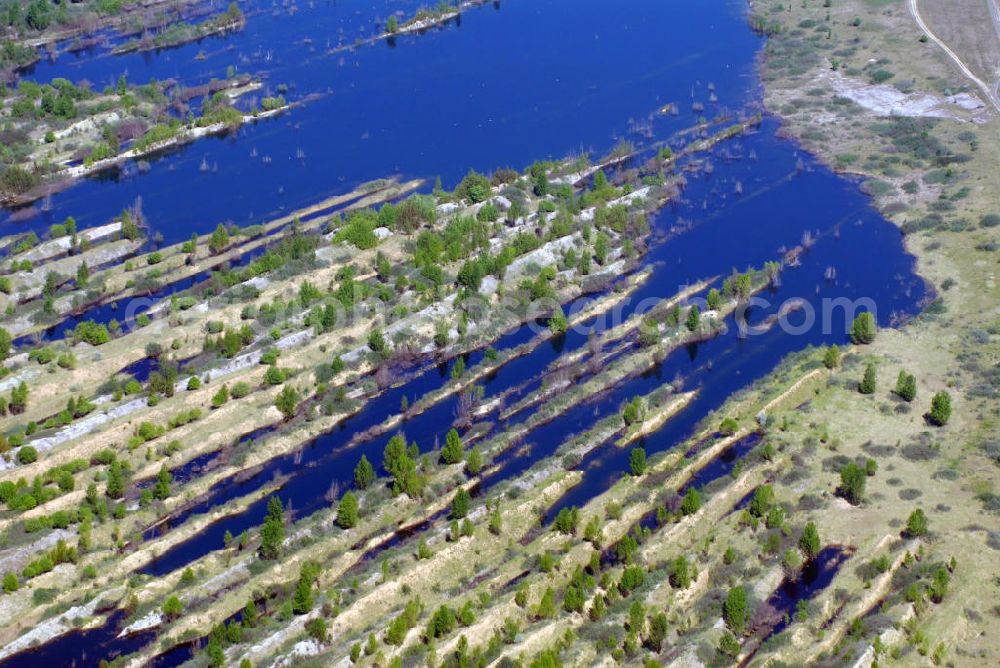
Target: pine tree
[809,543]
[19,398]
[734,610]
[574,599]
[219,239]
[220,398]
[637,461]
[473,461]
[172,608]
[868,381]
[250,614]
[598,607]
[852,483]
[423,550]
[714,300]
[364,473]
[863,328]
[567,520]
[302,602]
[694,318]
[161,489]
[657,632]
[287,401]
[397,462]
[82,275]
[831,358]
[916,524]
[496,521]
[116,480]
[452,451]
[547,605]
[680,577]
[6,344]
[347,511]
[940,408]
[129,229]
[601,248]
[633,411]
[272,533]
[763,498]
[558,323]
[376,341]
[636,622]
[906,386]
[729,645]
[691,502]
[460,504]
[592,530]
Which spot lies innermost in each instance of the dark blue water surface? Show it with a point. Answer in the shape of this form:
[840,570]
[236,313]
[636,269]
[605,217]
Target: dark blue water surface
[506,86]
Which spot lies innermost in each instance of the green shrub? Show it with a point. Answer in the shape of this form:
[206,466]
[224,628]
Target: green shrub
[906,386]
[863,329]
[240,390]
[91,332]
[852,483]
[869,380]
[940,411]
[735,610]
[729,426]
[916,524]
[474,188]
[172,608]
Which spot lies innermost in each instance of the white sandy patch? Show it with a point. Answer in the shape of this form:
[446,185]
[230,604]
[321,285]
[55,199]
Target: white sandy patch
[89,125]
[300,649]
[886,100]
[548,254]
[17,558]
[53,247]
[150,620]
[14,381]
[82,427]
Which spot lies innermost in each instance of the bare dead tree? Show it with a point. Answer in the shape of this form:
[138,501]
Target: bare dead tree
[135,211]
[384,376]
[764,618]
[558,378]
[465,408]
[678,382]
[594,361]
[333,492]
[225,454]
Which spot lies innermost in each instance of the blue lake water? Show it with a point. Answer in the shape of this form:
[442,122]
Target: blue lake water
[506,86]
